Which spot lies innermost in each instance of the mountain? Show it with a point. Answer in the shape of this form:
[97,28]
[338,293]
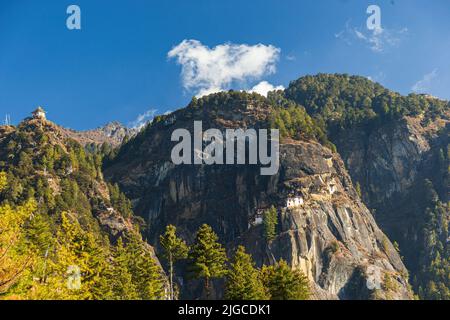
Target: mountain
[65,232]
[358,207]
[330,234]
[112,133]
[396,149]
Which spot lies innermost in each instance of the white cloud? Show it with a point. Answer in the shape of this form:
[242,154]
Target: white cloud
[208,70]
[377,40]
[424,84]
[264,87]
[143,119]
[207,91]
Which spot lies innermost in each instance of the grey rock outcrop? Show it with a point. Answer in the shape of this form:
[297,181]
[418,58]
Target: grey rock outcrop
[329,234]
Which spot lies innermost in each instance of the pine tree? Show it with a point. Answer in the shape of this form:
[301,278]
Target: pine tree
[283,283]
[122,285]
[146,274]
[78,250]
[119,201]
[208,257]
[174,249]
[38,233]
[243,280]
[270,221]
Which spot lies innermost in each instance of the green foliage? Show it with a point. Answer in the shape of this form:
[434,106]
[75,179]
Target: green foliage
[270,222]
[294,122]
[226,99]
[122,286]
[243,281]
[120,201]
[358,189]
[146,274]
[174,249]
[46,274]
[430,268]
[435,262]
[343,100]
[53,248]
[60,173]
[389,283]
[78,249]
[207,257]
[283,283]
[345,103]
[2,181]
[16,255]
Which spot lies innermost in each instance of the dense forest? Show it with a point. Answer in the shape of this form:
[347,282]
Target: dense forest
[51,244]
[343,101]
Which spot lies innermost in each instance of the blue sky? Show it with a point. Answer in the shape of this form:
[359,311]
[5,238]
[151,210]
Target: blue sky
[117,66]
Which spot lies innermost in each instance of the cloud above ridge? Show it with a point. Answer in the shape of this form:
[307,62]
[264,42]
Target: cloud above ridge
[424,84]
[208,70]
[378,40]
[264,87]
[143,119]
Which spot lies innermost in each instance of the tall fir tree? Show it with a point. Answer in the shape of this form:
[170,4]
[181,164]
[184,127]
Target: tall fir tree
[283,283]
[79,257]
[208,257]
[270,222]
[243,281]
[174,249]
[146,274]
[122,286]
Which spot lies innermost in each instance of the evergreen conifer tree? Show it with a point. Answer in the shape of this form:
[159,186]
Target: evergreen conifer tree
[208,257]
[174,249]
[283,283]
[243,279]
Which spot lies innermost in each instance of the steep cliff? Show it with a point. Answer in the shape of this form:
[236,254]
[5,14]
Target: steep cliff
[396,149]
[397,165]
[328,233]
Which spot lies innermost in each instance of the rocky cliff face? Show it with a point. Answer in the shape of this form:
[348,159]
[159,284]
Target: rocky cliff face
[392,162]
[112,133]
[328,233]
[389,159]
[396,149]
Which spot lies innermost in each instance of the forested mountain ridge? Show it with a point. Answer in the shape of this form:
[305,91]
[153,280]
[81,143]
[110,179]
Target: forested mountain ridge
[396,149]
[344,101]
[65,232]
[232,231]
[330,235]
